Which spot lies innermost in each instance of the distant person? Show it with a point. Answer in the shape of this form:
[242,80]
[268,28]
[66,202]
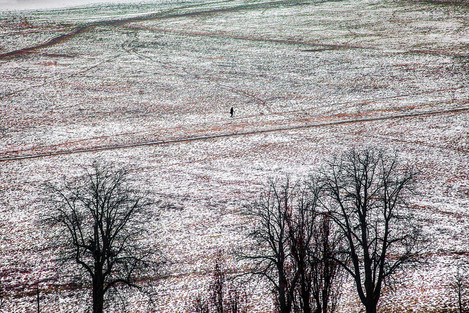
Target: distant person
[231,111]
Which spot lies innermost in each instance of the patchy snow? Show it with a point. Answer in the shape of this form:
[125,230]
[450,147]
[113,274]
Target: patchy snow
[395,72]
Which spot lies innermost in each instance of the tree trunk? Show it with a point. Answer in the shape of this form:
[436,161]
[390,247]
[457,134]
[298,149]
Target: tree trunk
[282,299]
[325,297]
[37,298]
[98,294]
[305,295]
[371,307]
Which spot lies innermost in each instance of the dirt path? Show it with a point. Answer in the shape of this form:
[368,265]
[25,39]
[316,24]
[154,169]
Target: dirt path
[151,16]
[227,135]
[51,42]
[174,13]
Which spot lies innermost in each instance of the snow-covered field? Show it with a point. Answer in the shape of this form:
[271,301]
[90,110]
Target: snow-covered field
[306,79]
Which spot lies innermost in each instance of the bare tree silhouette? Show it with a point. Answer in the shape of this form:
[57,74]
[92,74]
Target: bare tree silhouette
[98,221]
[367,192]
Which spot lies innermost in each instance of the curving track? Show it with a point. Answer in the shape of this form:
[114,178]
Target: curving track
[150,16]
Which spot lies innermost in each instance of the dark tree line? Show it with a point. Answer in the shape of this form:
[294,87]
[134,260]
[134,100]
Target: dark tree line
[351,218]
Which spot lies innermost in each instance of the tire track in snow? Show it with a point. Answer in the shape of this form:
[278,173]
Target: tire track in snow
[227,135]
[176,69]
[172,13]
[306,46]
[55,80]
[50,42]
[219,123]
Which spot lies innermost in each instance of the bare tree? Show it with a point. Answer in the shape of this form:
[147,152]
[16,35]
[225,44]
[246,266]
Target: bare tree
[271,256]
[223,294]
[99,220]
[218,286]
[460,286]
[294,247]
[301,220]
[366,192]
[327,272]
[312,245]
